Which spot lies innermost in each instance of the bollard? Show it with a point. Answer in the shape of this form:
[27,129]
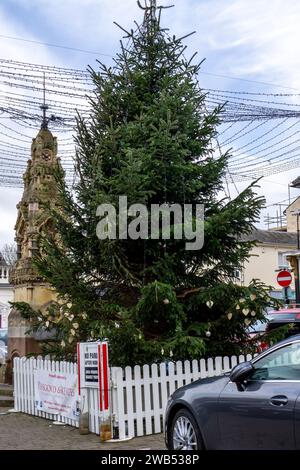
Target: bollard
[105,429]
[84,418]
[84,423]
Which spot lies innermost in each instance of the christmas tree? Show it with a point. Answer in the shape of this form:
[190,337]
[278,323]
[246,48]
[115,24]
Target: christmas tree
[150,138]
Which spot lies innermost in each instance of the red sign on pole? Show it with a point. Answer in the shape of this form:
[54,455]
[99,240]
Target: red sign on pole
[284,278]
[103,372]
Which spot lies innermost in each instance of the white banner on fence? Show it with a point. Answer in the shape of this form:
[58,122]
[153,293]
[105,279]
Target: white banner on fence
[56,393]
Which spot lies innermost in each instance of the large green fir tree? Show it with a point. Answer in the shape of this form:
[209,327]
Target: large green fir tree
[149,137]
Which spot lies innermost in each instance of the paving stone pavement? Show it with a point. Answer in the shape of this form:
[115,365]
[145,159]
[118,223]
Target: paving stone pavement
[19,431]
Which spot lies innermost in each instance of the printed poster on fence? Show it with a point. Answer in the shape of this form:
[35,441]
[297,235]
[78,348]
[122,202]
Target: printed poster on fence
[56,393]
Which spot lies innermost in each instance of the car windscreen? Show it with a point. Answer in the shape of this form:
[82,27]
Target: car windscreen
[258,327]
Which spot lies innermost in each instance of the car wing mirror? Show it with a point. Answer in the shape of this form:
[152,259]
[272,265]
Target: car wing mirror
[240,372]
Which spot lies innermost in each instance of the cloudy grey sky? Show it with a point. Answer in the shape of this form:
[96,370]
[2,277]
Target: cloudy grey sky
[255,40]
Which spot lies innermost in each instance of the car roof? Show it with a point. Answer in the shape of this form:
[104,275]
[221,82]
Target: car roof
[284,310]
[287,317]
[288,340]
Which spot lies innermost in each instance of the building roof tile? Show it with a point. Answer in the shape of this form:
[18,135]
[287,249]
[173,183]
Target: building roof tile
[269,237]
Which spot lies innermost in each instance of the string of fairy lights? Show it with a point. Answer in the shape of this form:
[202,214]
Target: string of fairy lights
[261,130]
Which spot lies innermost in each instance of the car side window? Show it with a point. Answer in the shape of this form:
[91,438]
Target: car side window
[281,364]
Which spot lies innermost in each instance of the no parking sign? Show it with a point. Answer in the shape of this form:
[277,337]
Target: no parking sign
[93,370]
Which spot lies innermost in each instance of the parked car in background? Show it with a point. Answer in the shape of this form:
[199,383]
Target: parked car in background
[256,335]
[286,318]
[258,328]
[288,309]
[3,355]
[255,406]
[3,336]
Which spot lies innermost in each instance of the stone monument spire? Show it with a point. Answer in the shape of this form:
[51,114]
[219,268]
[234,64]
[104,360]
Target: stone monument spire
[40,190]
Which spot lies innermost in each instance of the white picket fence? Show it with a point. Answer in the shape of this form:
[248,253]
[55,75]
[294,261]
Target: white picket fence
[138,395]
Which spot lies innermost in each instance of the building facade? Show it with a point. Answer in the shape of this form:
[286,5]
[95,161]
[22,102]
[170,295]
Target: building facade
[267,258]
[292,220]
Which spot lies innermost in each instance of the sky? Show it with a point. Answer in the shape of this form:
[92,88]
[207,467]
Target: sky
[249,40]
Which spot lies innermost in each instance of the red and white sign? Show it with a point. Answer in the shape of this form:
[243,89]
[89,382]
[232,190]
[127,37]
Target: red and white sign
[284,278]
[93,370]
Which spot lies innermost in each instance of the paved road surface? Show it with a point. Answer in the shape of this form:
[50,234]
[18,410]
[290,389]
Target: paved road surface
[19,432]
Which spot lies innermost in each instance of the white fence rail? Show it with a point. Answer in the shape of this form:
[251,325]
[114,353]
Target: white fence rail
[138,395]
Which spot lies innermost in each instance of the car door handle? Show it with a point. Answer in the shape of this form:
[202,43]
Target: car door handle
[279,400]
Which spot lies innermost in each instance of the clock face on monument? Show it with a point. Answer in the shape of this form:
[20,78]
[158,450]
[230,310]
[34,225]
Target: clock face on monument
[46,155]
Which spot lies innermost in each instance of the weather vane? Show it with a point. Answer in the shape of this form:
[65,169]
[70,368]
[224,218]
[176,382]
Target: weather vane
[44,106]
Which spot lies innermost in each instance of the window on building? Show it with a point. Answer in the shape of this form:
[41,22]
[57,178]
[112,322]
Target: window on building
[237,274]
[282,261]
